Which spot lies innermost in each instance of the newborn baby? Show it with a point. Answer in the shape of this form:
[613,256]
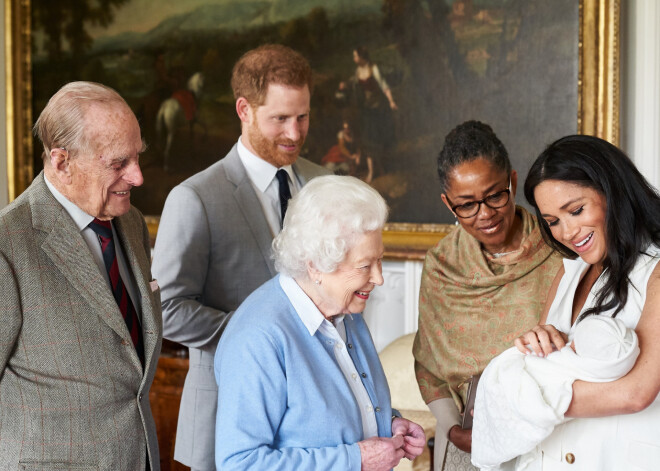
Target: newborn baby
[521,398]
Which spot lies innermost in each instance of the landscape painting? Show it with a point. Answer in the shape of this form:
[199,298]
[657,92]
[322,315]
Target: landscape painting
[392,78]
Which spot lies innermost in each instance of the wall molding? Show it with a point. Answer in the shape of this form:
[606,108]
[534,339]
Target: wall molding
[392,309]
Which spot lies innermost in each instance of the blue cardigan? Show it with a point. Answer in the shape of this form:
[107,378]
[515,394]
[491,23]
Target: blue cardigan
[283,402]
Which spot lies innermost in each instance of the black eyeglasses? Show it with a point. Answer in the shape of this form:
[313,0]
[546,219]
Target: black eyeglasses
[494,201]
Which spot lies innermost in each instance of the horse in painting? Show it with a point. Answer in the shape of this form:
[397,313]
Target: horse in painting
[178,110]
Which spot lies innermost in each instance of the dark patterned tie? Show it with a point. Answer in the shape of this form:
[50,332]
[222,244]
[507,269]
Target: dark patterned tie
[103,230]
[285,192]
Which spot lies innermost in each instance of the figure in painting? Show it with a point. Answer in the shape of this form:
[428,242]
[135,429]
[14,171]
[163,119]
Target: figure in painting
[369,94]
[346,157]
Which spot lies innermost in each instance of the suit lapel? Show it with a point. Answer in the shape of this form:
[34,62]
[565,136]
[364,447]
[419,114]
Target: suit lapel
[250,206]
[300,167]
[65,247]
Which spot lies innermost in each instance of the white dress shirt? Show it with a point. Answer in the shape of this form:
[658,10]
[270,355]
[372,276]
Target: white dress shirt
[82,220]
[266,186]
[314,320]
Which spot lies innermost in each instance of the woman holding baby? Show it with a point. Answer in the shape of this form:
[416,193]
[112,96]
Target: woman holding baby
[598,210]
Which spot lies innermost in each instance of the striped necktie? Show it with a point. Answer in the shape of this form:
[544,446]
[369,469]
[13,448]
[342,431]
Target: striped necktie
[103,230]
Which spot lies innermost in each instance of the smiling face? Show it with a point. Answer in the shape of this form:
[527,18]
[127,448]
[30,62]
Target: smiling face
[100,184]
[576,216]
[347,289]
[276,130]
[496,229]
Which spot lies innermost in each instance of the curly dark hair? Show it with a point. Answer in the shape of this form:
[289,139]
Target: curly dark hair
[632,214]
[467,142]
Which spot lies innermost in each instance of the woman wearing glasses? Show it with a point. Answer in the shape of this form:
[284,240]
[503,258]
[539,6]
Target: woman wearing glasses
[482,286]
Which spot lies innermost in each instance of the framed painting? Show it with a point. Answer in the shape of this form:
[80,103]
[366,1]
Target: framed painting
[534,70]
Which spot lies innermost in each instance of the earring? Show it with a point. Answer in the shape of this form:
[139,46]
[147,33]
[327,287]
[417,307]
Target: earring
[317,282]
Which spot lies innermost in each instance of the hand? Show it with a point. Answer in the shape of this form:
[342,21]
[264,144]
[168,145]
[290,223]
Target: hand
[413,435]
[381,454]
[461,438]
[542,340]
[393,106]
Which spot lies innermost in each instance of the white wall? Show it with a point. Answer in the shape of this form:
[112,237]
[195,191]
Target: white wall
[392,308]
[640,85]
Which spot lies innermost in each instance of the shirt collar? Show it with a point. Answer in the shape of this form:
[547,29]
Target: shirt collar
[261,173]
[80,217]
[305,308]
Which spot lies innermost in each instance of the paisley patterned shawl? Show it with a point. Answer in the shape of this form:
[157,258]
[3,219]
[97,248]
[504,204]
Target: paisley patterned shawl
[472,306]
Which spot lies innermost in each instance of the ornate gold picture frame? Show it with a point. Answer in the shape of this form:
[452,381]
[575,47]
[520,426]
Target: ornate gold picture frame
[597,110]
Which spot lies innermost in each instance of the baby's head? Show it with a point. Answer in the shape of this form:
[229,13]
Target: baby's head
[601,337]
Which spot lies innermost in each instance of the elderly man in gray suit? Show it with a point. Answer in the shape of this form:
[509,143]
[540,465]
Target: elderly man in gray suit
[213,244]
[81,323]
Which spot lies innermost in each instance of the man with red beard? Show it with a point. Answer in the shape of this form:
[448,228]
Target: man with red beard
[214,239]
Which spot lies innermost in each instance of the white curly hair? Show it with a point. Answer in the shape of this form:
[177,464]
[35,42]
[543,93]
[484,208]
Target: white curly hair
[323,221]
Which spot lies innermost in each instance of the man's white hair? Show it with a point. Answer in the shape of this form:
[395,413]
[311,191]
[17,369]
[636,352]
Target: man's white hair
[324,221]
[62,122]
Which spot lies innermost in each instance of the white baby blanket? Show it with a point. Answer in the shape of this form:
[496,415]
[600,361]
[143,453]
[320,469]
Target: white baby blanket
[521,398]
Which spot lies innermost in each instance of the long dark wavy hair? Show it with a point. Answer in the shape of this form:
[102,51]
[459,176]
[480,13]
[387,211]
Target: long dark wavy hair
[632,213]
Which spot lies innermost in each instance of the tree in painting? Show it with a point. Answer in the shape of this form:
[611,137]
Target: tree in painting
[67,21]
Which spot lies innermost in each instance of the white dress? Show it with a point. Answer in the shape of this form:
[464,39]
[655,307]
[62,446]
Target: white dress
[617,443]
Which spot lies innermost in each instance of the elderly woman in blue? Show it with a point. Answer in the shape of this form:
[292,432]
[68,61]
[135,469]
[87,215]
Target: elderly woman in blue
[300,383]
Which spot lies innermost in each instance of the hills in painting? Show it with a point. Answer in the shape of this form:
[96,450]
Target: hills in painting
[234,16]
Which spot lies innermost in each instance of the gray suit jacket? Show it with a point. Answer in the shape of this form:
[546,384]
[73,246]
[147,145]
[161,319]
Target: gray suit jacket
[73,393]
[212,250]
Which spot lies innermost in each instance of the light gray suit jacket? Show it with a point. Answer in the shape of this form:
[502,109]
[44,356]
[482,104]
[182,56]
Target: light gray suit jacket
[73,394]
[213,249]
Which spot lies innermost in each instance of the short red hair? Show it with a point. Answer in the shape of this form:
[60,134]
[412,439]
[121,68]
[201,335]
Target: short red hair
[270,63]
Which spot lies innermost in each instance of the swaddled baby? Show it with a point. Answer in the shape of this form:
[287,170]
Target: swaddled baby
[521,398]
[606,340]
